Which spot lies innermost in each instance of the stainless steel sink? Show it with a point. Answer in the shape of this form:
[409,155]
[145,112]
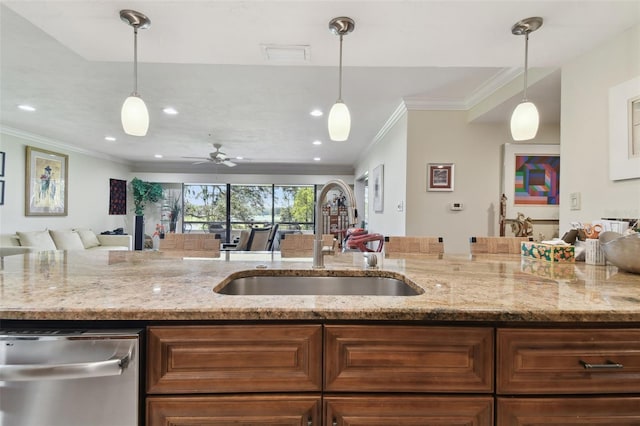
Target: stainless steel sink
[317,285]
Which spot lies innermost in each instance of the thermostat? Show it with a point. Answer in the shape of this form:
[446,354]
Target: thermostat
[456,206]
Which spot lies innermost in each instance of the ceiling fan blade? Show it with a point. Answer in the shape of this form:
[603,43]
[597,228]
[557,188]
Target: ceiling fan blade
[196,158]
[229,163]
[200,162]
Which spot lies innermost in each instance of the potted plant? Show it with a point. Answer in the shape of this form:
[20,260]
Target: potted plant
[143,192]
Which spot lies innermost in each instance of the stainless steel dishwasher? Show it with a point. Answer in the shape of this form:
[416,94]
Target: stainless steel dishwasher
[70,378]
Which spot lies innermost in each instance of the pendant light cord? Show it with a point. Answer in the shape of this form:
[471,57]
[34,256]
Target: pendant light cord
[526,63]
[340,73]
[135,61]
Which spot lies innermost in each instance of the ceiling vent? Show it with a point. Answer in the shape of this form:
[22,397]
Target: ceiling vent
[278,53]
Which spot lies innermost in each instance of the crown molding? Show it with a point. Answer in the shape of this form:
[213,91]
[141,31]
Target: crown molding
[32,137]
[391,121]
[483,91]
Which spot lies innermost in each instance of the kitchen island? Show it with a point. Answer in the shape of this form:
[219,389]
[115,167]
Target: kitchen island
[148,285]
[489,339]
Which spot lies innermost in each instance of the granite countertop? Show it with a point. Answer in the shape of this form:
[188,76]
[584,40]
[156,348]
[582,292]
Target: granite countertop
[149,285]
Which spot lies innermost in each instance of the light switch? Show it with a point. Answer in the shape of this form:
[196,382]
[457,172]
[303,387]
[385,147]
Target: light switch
[574,201]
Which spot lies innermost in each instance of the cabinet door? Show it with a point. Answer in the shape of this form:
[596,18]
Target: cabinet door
[568,411]
[565,361]
[408,410]
[408,359]
[246,410]
[234,358]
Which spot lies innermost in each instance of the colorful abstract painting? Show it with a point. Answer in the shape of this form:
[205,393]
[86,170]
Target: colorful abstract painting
[537,180]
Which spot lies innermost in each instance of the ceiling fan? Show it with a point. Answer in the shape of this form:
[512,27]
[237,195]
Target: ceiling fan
[216,157]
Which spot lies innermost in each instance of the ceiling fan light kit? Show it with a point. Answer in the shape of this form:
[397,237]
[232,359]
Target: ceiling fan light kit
[134,114]
[525,118]
[339,123]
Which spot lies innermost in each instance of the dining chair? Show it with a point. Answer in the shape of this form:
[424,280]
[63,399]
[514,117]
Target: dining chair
[413,245]
[259,239]
[494,245]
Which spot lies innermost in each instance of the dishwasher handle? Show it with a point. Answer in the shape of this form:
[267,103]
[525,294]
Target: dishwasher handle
[34,372]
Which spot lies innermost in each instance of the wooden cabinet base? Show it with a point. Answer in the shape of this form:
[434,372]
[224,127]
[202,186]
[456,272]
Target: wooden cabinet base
[408,410]
[244,410]
[623,411]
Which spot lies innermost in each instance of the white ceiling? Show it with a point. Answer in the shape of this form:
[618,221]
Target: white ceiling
[72,60]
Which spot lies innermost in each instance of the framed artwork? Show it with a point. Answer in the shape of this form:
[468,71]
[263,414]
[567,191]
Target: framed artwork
[531,180]
[46,180]
[2,158]
[1,193]
[440,176]
[624,130]
[378,188]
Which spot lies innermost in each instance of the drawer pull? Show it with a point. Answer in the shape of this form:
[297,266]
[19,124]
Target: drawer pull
[309,421]
[607,366]
[334,422]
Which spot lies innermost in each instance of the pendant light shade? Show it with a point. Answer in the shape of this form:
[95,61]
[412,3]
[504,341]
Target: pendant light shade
[339,123]
[525,118]
[524,121]
[134,114]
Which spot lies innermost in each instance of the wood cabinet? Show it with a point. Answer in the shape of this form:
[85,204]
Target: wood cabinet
[387,374]
[403,410]
[272,374]
[244,410]
[408,359]
[234,358]
[555,366]
[610,411]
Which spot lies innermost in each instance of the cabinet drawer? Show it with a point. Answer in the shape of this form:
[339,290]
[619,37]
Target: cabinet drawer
[568,361]
[568,411]
[408,410]
[243,358]
[408,359]
[292,410]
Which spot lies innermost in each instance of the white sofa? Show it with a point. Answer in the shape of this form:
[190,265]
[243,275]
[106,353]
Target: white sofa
[68,239]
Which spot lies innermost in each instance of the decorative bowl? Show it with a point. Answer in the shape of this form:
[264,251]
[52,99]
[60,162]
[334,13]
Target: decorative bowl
[622,250]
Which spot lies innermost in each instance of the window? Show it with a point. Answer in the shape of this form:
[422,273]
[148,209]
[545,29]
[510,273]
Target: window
[205,208]
[227,209]
[294,207]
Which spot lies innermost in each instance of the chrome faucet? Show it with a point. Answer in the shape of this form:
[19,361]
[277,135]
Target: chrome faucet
[318,254]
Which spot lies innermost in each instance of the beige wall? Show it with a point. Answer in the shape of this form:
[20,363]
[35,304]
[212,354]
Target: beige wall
[391,151]
[476,151]
[586,81]
[88,186]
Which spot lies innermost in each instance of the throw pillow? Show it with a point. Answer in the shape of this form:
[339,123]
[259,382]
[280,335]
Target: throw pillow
[67,240]
[88,238]
[40,240]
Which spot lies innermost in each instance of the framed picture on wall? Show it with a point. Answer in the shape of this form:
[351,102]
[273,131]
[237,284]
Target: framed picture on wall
[440,176]
[532,180]
[2,157]
[624,130]
[1,193]
[46,183]
[378,188]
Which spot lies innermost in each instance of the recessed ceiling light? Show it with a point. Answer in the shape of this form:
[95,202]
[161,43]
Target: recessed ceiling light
[316,158]
[170,111]
[239,157]
[317,142]
[316,113]
[109,138]
[158,155]
[26,108]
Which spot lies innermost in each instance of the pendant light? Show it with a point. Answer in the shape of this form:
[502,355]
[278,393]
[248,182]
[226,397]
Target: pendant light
[339,117]
[134,114]
[525,118]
